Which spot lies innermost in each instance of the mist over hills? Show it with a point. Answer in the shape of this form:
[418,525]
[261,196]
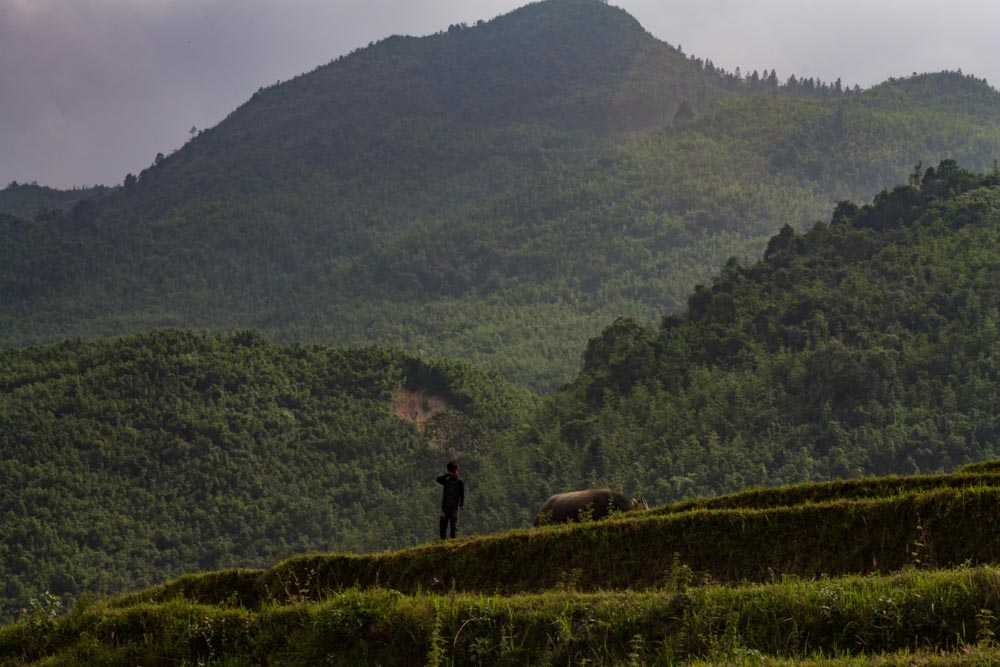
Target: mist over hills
[496,193]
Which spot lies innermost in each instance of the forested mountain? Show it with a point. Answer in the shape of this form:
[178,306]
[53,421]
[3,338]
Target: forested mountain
[130,461]
[867,345]
[495,193]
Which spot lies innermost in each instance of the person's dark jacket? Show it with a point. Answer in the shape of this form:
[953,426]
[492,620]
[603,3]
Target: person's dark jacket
[454,492]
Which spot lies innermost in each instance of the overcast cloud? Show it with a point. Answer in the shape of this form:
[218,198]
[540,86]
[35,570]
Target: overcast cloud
[93,89]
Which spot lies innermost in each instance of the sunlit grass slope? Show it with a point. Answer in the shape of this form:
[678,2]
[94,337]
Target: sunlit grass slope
[910,616]
[890,571]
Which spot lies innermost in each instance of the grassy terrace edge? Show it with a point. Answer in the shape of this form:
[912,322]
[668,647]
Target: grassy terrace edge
[842,620]
[945,527]
[985,474]
[890,571]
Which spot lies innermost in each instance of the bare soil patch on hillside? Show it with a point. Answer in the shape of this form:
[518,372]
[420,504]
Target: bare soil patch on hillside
[418,406]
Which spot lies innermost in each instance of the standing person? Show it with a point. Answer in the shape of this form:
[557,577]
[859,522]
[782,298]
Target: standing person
[452,500]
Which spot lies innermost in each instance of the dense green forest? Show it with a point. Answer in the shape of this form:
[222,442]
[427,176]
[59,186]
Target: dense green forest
[130,461]
[496,193]
[863,346]
[886,571]
[866,345]
[548,196]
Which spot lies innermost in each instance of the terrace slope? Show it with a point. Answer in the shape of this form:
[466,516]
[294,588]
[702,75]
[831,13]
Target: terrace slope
[618,591]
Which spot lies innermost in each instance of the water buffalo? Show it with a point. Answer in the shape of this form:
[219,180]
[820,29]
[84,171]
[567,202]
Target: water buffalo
[591,503]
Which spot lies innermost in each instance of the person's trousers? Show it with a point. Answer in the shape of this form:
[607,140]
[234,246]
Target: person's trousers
[449,515]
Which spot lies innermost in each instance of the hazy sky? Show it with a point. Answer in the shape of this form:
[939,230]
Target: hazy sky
[93,89]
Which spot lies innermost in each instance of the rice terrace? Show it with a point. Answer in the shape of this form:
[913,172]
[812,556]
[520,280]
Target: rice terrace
[872,571]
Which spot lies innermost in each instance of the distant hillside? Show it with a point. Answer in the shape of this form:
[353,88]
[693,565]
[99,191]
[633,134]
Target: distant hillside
[420,117]
[496,193]
[130,461]
[900,572]
[863,346]
[27,201]
[866,345]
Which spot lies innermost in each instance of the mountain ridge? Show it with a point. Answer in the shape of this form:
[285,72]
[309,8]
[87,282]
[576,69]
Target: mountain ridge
[505,243]
[519,67]
[863,346]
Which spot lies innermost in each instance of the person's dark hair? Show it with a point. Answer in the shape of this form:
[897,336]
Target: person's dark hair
[452,466]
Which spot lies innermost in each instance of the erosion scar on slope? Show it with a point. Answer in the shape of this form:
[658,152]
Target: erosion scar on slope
[418,407]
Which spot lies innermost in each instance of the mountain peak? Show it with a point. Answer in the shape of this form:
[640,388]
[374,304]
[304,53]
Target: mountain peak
[577,65]
[570,14]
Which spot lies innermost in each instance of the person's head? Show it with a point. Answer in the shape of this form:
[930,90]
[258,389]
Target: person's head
[453,468]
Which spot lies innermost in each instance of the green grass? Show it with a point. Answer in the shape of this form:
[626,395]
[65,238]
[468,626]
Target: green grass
[850,617]
[899,571]
[946,527]
[985,474]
